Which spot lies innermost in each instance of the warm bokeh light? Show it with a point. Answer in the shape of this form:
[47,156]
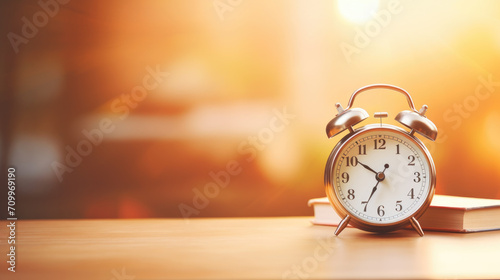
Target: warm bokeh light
[144,101]
[358,11]
[491,136]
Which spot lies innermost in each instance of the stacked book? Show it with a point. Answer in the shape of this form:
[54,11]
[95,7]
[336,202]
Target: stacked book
[446,213]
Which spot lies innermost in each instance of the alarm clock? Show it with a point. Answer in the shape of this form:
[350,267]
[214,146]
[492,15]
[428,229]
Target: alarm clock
[380,177]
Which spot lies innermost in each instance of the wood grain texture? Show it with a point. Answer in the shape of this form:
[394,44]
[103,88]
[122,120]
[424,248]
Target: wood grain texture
[240,248]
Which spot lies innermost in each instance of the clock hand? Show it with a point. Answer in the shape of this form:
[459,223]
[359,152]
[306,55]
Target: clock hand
[373,191]
[367,167]
[380,177]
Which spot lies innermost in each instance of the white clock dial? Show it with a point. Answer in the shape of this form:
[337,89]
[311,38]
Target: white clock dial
[381,176]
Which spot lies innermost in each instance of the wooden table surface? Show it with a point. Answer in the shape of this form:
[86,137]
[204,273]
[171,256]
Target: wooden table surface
[240,248]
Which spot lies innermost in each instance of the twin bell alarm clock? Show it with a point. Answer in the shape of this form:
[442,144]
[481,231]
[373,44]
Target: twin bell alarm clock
[380,177]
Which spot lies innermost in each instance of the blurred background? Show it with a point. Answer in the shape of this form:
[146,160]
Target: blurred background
[191,108]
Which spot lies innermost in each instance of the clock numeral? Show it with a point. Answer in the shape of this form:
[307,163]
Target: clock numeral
[362,149]
[365,203]
[412,160]
[380,211]
[411,194]
[399,207]
[351,161]
[397,149]
[381,142]
[350,194]
[345,177]
[416,180]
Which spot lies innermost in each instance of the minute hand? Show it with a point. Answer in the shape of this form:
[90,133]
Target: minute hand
[373,191]
[380,177]
[367,167]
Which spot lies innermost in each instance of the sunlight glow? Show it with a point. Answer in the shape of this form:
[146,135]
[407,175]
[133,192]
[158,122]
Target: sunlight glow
[357,11]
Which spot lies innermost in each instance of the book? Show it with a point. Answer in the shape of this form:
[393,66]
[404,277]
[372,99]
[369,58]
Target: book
[446,213]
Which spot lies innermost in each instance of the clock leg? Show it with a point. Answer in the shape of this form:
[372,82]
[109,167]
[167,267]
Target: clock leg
[414,223]
[342,225]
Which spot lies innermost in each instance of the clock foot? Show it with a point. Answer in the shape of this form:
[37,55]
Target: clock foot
[414,223]
[342,225]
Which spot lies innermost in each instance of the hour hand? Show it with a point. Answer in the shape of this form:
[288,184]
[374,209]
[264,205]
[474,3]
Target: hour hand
[367,167]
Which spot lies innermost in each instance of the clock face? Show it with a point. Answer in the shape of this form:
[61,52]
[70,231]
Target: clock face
[382,176]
